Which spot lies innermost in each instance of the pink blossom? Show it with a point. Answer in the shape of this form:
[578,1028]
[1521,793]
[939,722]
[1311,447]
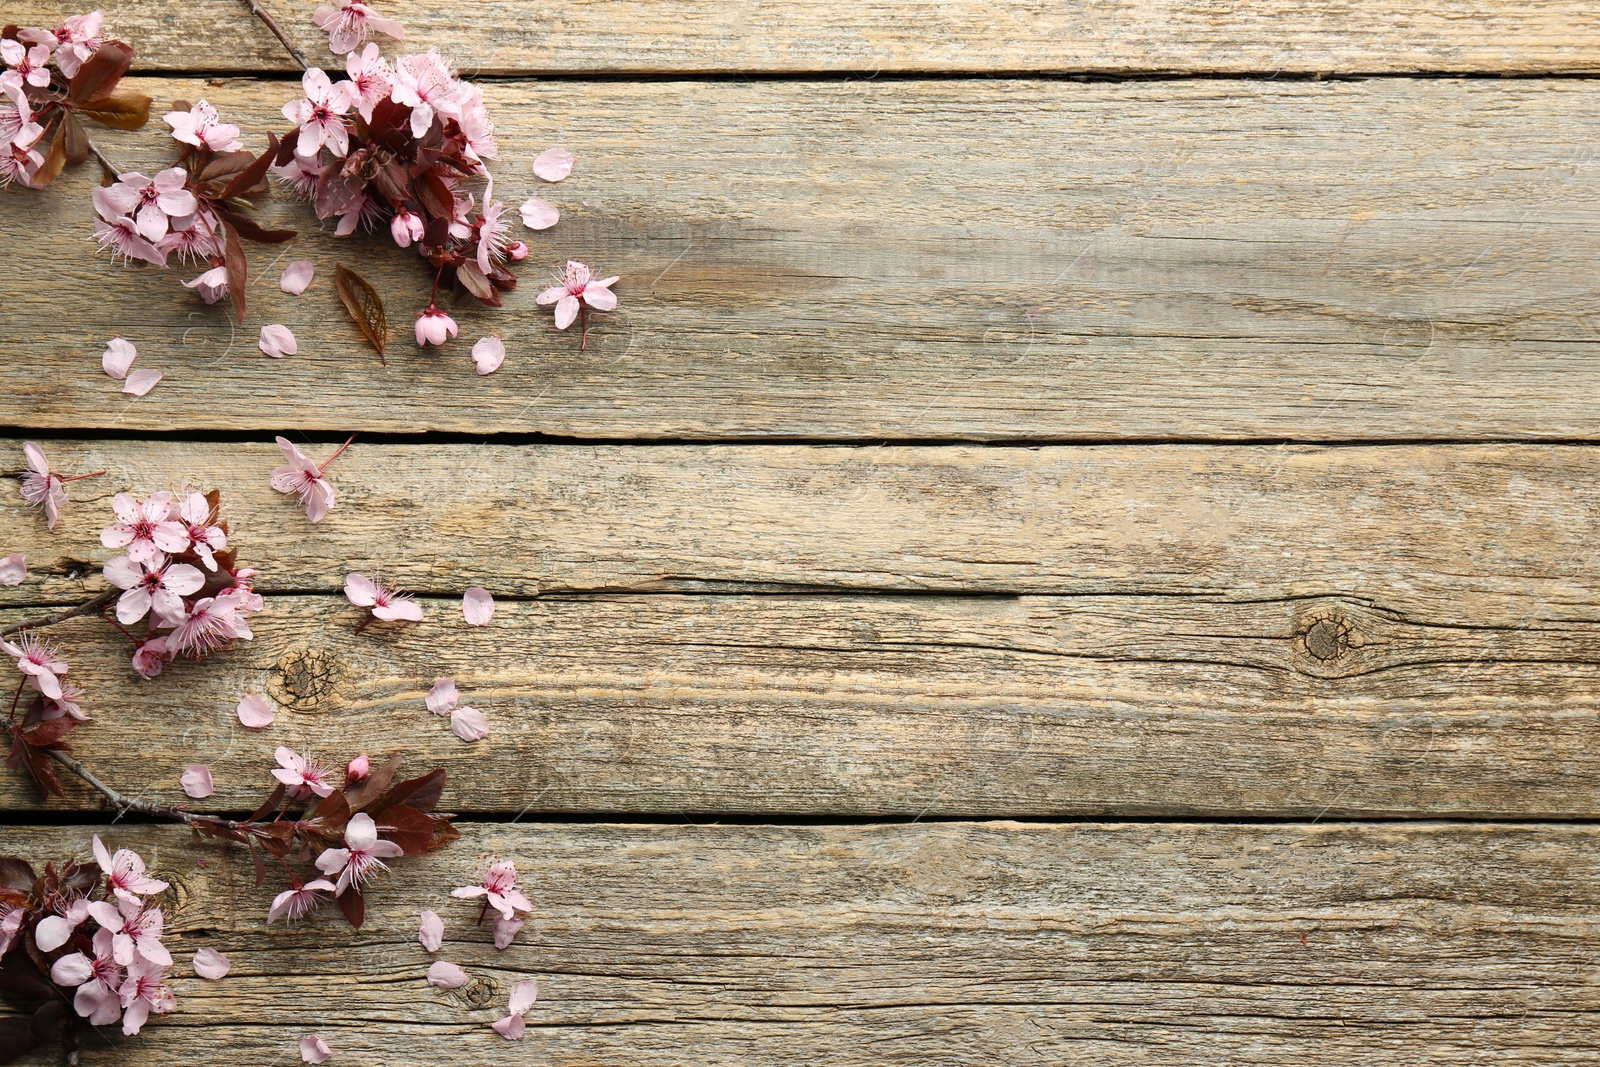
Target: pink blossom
[118,232]
[499,885]
[136,929]
[523,994]
[361,858]
[405,227]
[302,774]
[277,341]
[427,85]
[296,276]
[442,975]
[146,529]
[41,486]
[505,932]
[118,357]
[160,587]
[196,781]
[349,22]
[388,605]
[98,981]
[209,624]
[213,284]
[313,1049]
[11,927]
[13,569]
[31,63]
[430,931]
[302,478]
[488,354]
[140,382]
[494,235]
[204,538]
[254,712]
[125,872]
[39,661]
[16,118]
[211,964]
[578,291]
[193,239]
[152,202]
[371,78]
[20,163]
[199,126]
[553,164]
[320,114]
[143,992]
[75,40]
[53,931]
[434,326]
[475,125]
[298,901]
[65,704]
[539,214]
[300,174]
[150,657]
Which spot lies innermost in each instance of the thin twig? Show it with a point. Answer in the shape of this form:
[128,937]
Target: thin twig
[265,16]
[111,169]
[91,607]
[126,803]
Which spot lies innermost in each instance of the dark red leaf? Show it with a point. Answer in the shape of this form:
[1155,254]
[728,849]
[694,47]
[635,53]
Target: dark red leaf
[120,111]
[444,831]
[226,165]
[55,158]
[406,827]
[270,805]
[47,734]
[360,794]
[365,306]
[255,175]
[435,196]
[77,141]
[250,231]
[233,260]
[422,793]
[260,865]
[354,907]
[283,151]
[100,73]
[17,873]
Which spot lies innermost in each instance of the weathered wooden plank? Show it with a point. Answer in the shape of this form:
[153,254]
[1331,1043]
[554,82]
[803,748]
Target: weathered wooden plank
[881,706]
[1480,535]
[949,944]
[746,36]
[920,259]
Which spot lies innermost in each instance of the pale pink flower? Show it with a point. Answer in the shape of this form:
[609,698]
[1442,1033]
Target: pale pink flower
[208,624]
[194,239]
[199,126]
[13,571]
[17,127]
[363,854]
[277,341]
[211,964]
[494,236]
[31,63]
[499,885]
[301,478]
[75,40]
[505,932]
[296,276]
[11,927]
[476,126]
[21,164]
[118,357]
[577,292]
[152,203]
[53,931]
[161,587]
[140,382]
[539,214]
[42,487]
[98,980]
[143,992]
[298,901]
[405,227]
[386,604]
[371,78]
[302,774]
[146,529]
[66,704]
[196,781]
[523,995]
[349,22]
[136,929]
[320,115]
[300,174]
[430,931]
[553,164]
[313,1049]
[488,354]
[434,327]
[213,284]
[119,233]
[205,538]
[442,975]
[125,872]
[427,85]
[150,657]
[254,712]
[39,661]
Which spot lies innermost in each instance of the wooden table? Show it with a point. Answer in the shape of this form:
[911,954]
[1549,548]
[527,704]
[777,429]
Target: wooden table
[1075,547]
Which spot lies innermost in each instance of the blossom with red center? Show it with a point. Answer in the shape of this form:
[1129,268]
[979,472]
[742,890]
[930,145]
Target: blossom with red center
[161,587]
[193,239]
[426,84]
[361,858]
[199,127]
[125,873]
[98,980]
[320,114]
[74,40]
[205,537]
[576,293]
[150,657]
[208,625]
[300,174]
[499,886]
[120,234]
[494,236]
[386,604]
[371,78]
[145,528]
[39,661]
[68,703]
[349,22]
[136,929]
[143,991]
[298,901]
[302,774]
[434,327]
[152,203]
[30,63]
[302,478]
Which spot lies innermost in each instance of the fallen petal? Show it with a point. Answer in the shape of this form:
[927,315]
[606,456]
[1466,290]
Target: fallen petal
[488,354]
[447,976]
[140,382]
[553,164]
[539,214]
[277,341]
[469,724]
[523,994]
[254,712]
[13,569]
[296,276]
[118,357]
[505,932]
[511,1027]
[211,964]
[430,932]
[196,781]
[314,1050]
[478,606]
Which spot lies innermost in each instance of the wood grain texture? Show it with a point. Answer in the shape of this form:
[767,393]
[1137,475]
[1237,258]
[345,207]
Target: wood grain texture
[1003,260]
[789,36]
[902,707]
[949,944]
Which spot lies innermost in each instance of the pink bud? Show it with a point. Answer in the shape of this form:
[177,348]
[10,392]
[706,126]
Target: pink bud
[405,227]
[517,251]
[434,327]
[357,769]
[213,284]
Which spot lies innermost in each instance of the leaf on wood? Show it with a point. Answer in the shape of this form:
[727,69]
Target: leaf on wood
[354,906]
[406,827]
[100,73]
[47,1019]
[120,111]
[328,820]
[254,175]
[373,785]
[256,860]
[361,300]
[277,838]
[55,158]
[422,793]
[79,878]
[270,805]
[234,262]
[226,165]
[250,230]
[17,873]
[77,141]
[444,831]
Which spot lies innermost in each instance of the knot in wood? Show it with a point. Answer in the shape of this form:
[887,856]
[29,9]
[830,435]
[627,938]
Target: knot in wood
[477,994]
[303,678]
[1327,639]
[1330,641]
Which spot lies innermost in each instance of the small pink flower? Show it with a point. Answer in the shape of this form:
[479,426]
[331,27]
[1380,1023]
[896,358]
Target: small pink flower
[434,327]
[576,294]
[405,227]
[517,251]
[296,277]
[553,164]
[442,975]
[209,624]
[298,901]
[98,980]
[313,1049]
[357,770]
[361,858]
[196,239]
[31,64]
[160,588]
[205,538]
[143,992]
[427,85]
[211,964]
[371,78]
[500,887]
[75,40]
[140,382]
[125,872]
[302,478]
[145,528]
[150,657]
[539,214]
[196,781]
[253,712]
[523,994]
[430,931]
[118,357]
[478,606]
[320,114]
[13,569]
[39,662]
[136,928]
[43,487]
[349,22]
[302,774]
[213,284]
[387,605]
[488,354]
[199,126]
[53,931]
[152,203]
[277,341]
[115,230]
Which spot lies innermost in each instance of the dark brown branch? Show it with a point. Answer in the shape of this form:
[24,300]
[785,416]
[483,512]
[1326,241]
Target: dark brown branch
[91,607]
[126,803]
[260,12]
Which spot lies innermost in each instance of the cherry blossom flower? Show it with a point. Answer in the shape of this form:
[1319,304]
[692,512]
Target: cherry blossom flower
[11,918]
[254,712]
[75,40]
[277,341]
[300,174]
[98,980]
[161,587]
[43,487]
[430,931]
[205,538]
[213,284]
[523,995]
[199,126]
[145,528]
[499,886]
[539,214]
[301,478]
[136,928]
[144,991]
[434,327]
[194,239]
[298,901]
[553,164]
[387,605]
[29,62]
[39,661]
[65,704]
[13,569]
[350,22]
[152,203]
[196,781]
[140,382]
[576,294]
[313,1049]
[296,276]
[211,964]
[442,975]
[427,85]
[488,354]
[405,227]
[210,624]
[517,251]
[357,769]
[119,233]
[371,78]
[125,871]
[302,774]
[320,114]
[118,357]
[361,858]
[505,932]
[53,931]
[150,657]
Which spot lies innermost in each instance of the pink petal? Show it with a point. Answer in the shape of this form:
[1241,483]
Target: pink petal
[566,311]
[360,590]
[469,724]
[478,606]
[553,164]
[211,964]
[314,1050]
[443,697]
[430,932]
[118,357]
[277,341]
[447,976]
[296,276]
[539,214]
[196,781]
[523,994]
[511,1027]
[254,712]
[600,297]
[13,569]
[140,382]
[488,354]
[505,932]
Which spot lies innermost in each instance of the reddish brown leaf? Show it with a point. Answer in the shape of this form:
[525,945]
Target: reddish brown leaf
[120,111]
[373,785]
[270,805]
[354,907]
[253,176]
[444,831]
[55,158]
[435,196]
[406,827]
[421,793]
[100,73]
[47,734]
[234,262]
[16,873]
[77,141]
[250,231]
[361,300]
[260,864]
[226,165]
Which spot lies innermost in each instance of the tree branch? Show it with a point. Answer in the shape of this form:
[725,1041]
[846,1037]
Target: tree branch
[91,607]
[260,12]
[126,803]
